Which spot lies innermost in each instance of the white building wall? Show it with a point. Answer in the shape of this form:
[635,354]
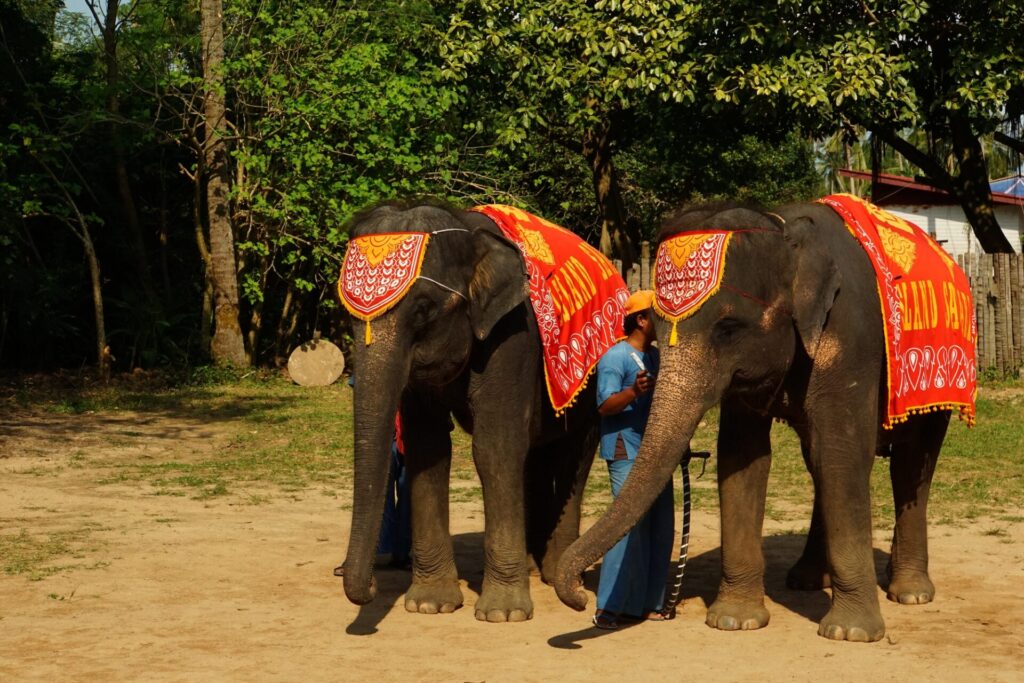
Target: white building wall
[948,224]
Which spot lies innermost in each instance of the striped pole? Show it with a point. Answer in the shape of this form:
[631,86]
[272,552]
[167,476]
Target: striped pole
[675,593]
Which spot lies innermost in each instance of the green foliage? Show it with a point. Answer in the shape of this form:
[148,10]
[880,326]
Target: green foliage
[573,62]
[338,107]
[335,106]
[898,63]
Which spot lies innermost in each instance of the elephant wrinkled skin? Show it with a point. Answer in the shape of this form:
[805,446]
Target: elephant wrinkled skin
[464,343]
[795,333]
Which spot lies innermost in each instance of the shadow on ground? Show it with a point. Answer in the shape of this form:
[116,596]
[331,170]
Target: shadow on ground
[700,585]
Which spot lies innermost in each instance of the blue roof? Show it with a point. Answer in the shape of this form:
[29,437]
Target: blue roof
[1013,185]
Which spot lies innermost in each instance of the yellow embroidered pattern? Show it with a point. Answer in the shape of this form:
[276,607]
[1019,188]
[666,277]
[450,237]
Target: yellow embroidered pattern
[901,250]
[376,248]
[535,245]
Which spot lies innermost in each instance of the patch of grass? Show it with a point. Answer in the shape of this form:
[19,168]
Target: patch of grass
[283,439]
[34,555]
[279,434]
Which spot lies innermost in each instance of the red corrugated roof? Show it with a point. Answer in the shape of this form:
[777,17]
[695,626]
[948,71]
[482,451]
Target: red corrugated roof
[897,189]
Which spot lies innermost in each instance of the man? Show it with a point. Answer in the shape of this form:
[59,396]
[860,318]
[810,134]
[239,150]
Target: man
[633,573]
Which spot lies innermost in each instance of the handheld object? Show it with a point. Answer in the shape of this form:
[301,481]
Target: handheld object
[636,359]
[639,361]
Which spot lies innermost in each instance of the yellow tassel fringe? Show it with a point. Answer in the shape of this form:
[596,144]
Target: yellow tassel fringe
[369,335]
[674,337]
[964,413]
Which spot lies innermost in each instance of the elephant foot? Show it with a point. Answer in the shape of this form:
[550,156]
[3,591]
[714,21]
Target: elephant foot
[434,597]
[737,616]
[501,602]
[808,576]
[911,588]
[857,627]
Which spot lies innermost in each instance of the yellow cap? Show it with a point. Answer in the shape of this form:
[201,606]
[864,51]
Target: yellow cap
[639,301]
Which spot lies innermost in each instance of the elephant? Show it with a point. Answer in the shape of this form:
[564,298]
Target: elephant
[463,342]
[795,334]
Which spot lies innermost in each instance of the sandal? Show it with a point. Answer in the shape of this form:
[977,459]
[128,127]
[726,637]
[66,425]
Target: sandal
[605,621]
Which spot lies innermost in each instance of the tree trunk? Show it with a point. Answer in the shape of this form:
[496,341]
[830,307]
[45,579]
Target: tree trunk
[103,356]
[615,240]
[129,212]
[1013,143]
[972,188]
[227,345]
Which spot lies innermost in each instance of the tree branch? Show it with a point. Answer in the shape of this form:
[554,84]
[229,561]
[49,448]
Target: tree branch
[935,172]
[1013,143]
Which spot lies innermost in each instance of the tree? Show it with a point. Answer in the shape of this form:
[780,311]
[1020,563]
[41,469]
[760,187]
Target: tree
[227,345]
[577,71]
[336,107]
[947,68]
[43,181]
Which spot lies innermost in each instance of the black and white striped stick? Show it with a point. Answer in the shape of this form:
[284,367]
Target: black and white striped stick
[675,593]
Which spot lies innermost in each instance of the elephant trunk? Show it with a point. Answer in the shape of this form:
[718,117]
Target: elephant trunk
[381,373]
[675,413]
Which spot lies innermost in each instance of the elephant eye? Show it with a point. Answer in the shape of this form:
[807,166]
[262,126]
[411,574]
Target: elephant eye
[726,329]
[423,313]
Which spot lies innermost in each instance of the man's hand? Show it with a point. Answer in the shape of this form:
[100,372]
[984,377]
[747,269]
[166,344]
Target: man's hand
[644,383]
[618,402]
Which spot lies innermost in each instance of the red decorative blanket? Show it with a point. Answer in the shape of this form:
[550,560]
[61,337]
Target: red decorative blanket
[378,271]
[930,328]
[577,297]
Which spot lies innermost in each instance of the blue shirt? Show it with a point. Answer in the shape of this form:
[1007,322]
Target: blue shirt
[617,371]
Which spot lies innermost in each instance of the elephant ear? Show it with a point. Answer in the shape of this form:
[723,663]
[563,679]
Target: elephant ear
[815,282]
[499,281]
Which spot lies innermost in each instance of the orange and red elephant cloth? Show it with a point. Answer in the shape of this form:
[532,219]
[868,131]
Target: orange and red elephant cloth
[578,298]
[576,293]
[930,327]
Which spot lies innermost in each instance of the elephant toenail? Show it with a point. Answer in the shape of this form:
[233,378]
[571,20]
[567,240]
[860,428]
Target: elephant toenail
[517,615]
[481,615]
[833,632]
[447,608]
[496,616]
[428,608]
[857,635]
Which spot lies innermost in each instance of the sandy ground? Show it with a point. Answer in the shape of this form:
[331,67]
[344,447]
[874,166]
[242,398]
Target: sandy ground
[171,588]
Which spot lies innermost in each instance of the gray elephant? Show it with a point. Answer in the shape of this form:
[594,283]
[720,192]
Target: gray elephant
[792,331]
[454,334]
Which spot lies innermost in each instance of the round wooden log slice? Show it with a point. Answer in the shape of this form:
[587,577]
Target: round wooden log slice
[316,364]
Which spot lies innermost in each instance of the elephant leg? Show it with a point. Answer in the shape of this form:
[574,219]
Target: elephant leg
[811,571]
[841,454]
[499,451]
[539,491]
[428,452]
[744,459]
[555,496]
[910,469]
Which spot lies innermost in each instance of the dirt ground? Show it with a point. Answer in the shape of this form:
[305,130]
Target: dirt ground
[161,587]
